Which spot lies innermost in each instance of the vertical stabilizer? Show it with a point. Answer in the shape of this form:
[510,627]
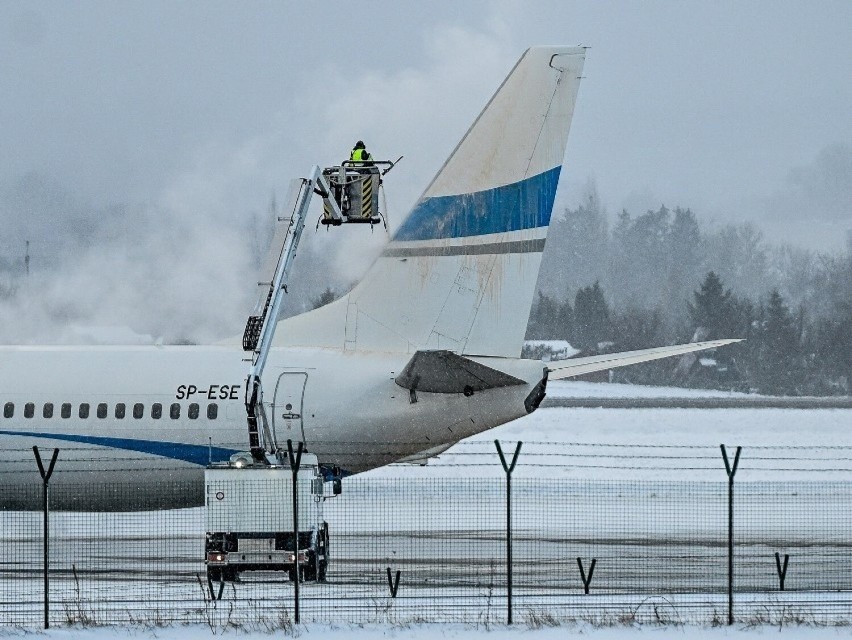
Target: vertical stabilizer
[461,271]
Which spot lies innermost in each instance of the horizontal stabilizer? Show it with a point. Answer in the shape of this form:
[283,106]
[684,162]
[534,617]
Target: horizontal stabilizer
[590,364]
[446,372]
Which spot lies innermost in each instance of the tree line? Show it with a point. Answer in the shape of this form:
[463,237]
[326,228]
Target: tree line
[663,278]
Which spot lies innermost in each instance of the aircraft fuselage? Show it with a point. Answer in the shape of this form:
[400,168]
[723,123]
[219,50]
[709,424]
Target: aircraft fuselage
[149,419]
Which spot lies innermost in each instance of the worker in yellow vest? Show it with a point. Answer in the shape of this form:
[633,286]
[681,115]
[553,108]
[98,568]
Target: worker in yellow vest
[360,154]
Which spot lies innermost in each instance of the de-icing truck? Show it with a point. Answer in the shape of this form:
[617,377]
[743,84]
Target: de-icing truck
[250,520]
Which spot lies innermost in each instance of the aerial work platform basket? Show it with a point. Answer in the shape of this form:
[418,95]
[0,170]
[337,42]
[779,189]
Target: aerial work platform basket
[354,189]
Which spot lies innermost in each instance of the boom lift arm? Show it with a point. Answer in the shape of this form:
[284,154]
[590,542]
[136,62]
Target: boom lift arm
[260,329]
[350,194]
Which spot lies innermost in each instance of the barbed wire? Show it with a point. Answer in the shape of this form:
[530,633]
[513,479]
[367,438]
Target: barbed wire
[569,456]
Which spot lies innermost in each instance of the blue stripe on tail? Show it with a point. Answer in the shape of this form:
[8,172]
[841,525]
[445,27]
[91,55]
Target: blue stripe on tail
[521,205]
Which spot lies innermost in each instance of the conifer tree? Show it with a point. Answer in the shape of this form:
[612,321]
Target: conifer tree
[591,319]
[778,365]
[712,308]
[549,319]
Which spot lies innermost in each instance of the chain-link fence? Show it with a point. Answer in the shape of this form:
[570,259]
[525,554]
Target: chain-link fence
[433,544]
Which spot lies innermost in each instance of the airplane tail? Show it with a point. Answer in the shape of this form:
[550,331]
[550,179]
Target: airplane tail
[460,273]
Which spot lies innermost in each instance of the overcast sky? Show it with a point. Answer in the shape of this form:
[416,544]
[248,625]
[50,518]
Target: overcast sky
[201,110]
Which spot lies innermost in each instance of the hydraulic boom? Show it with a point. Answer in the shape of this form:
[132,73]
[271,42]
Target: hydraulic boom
[260,329]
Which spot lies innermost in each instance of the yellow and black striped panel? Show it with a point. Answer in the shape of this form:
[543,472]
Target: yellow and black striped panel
[367,197]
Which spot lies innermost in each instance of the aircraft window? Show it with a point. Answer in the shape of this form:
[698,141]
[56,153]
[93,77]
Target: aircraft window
[66,410]
[212,411]
[29,410]
[138,410]
[102,410]
[156,411]
[84,410]
[193,411]
[174,411]
[47,411]
[8,410]
[119,410]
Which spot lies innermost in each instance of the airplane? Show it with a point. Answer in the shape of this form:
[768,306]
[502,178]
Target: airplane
[422,353]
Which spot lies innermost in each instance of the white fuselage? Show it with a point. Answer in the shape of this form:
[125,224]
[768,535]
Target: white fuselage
[345,407]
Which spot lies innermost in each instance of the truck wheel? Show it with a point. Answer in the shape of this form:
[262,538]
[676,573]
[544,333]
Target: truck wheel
[323,567]
[291,574]
[230,574]
[214,575]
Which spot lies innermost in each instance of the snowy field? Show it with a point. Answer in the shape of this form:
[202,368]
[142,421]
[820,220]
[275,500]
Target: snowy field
[440,631]
[574,389]
[647,495]
[608,444]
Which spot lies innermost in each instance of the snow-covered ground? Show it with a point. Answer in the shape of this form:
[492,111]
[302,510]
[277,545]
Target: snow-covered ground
[575,389]
[657,444]
[452,631]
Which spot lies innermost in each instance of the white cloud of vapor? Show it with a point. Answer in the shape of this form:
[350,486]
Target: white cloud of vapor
[814,203]
[182,266]
[822,188]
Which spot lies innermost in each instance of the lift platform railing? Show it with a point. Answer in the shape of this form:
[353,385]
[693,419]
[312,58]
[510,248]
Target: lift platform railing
[354,189]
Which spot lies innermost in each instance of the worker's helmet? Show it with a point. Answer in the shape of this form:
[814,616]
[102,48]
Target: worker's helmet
[360,145]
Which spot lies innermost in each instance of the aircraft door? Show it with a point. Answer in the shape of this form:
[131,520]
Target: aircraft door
[287,408]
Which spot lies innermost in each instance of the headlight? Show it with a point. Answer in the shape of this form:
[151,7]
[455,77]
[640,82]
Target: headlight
[240,460]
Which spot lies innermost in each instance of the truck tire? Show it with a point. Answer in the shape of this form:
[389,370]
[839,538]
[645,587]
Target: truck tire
[309,573]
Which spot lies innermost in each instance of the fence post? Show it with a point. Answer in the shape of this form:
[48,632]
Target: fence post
[45,482]
[782,570]
[731,470]
[587,580]
[508,468]
[295,461]
[393,584]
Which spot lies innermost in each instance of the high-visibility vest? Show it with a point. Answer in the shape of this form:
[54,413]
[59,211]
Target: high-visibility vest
[360,155]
